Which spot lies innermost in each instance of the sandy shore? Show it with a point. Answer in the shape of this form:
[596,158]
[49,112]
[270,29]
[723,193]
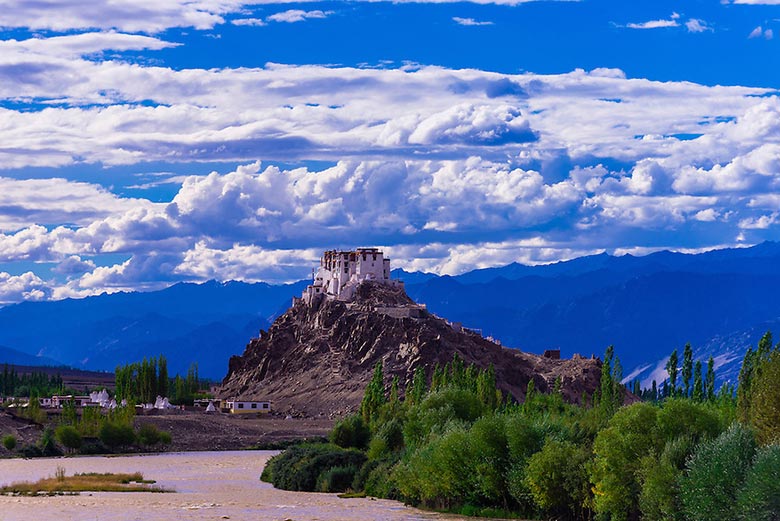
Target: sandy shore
[209,486]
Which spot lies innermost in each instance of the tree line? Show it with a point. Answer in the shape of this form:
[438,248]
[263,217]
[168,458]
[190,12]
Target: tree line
[28,384]
[684,453]
[143,382]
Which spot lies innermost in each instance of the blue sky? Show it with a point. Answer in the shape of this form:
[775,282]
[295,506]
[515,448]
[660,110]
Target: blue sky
[148,142]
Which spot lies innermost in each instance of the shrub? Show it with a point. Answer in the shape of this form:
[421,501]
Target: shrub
[352,431]
[336,479]
[31,451]
[148,434]
[47,445]
[9,441]
[165,437]
[759,499]
[299,468]
[115,435]
[388,439]
[715,473]
[438,410]
[69,437]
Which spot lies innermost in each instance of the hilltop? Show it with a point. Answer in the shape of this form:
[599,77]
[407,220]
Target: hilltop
[317,358]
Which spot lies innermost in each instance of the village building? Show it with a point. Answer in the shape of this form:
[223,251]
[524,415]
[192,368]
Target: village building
[238,406]
[341,272]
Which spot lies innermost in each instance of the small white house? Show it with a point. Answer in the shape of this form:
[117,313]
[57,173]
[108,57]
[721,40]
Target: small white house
[247,406]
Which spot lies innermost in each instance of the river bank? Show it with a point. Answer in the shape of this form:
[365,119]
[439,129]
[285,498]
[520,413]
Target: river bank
[209,486]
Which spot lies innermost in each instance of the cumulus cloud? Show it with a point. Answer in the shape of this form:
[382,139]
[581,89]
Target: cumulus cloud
[696,25]
[470,21]
[150,16]
[27,286]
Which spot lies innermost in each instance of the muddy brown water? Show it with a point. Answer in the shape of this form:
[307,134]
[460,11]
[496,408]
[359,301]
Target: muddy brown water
[208,485]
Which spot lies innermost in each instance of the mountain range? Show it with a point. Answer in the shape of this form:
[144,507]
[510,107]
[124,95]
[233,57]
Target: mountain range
[721,301]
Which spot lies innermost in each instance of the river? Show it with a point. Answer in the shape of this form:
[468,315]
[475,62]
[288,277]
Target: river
[208,485]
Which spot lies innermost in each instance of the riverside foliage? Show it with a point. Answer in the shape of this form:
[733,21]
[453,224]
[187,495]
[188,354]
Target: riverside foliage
[685,453]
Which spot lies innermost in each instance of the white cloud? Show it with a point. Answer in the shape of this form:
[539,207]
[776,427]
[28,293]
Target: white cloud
[470,21]
[759,32]
[27,286]
[696,25]
[149,16]
[297,15]
[257,22]
[654,24]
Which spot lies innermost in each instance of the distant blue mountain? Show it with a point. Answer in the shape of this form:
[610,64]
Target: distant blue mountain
[721,301]
[13,357]
[204,323]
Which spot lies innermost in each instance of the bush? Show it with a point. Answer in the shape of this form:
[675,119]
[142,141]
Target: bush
[47,445]
[715,473]
[336,479]
[759,499]
[437,411]
[31,451]
[352,431]
[388,439]
[165,437]
[148,434]
[69,437]
[659,499]
[9,441]
[115,435]
[299,468]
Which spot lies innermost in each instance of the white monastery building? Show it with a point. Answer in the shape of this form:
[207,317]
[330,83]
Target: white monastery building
[341,272]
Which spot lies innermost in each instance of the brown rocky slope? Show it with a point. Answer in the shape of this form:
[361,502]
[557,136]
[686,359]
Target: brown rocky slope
[316,360]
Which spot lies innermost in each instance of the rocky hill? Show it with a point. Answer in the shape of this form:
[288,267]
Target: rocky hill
[316,360]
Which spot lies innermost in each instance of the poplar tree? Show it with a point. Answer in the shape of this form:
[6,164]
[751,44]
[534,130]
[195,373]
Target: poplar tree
[698,385]
[709,380]
[374,397]
[671,368]
[687,369]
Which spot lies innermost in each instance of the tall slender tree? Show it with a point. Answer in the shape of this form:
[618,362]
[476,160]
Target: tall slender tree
[687,369]
[671,369]
[709,380]
[698,384]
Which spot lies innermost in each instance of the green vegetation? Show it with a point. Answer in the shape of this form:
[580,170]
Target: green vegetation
[683,453]
[143,382]
[9,441]
[89,482]
[29,384]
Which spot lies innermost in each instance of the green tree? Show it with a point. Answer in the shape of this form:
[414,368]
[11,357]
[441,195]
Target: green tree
[115,435]
[687,368]
[764,411]
[715,474]
[618,450]
[671,369]
[698,384]
[69,437]
[759,499]
[419,387]
[374,397]
[557,480]
[162,376]
[709,380]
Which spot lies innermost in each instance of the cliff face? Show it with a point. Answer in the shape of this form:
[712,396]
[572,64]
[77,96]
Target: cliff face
[316,360]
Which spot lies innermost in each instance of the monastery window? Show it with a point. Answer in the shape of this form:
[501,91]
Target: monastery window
[240,405]
[254,406]
[346,269]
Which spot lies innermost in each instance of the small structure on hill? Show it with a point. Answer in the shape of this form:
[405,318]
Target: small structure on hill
[240,406]
[553,354]
[340,273]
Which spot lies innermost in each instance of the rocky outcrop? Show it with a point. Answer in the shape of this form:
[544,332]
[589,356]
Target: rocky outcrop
[317,359]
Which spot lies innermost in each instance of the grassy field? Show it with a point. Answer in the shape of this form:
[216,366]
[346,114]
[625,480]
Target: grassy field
[87,482]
